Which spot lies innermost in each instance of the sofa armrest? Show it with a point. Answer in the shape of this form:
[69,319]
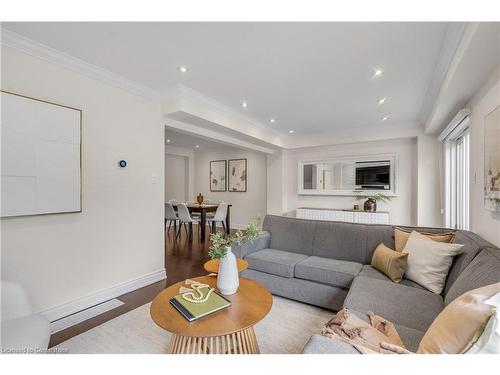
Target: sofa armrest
[319,344]
[261,242]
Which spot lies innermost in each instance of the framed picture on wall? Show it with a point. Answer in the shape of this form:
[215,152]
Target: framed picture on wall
[492,160]
[237,175]
[218,170]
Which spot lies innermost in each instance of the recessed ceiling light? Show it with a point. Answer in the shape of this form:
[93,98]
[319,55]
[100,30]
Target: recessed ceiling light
[272,121]
[377,72]
[384,118]
[244,104]
[291,131]
[197,146]
[168,140]
[183,69]
[382,101]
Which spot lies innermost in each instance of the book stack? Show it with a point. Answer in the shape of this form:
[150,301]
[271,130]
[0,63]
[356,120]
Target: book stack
[193,311]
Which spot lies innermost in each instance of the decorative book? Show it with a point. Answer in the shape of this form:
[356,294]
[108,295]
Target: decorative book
[192,309]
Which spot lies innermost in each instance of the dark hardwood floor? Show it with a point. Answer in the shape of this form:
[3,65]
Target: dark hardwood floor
[183,259]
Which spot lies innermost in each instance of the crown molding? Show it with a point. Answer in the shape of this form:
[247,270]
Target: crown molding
[449,46]
[41,51]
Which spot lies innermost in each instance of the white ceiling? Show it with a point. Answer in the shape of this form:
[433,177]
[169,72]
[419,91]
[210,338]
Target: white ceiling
[310,77]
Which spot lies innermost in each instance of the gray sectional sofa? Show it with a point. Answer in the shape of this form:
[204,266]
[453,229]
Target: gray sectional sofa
[327,264]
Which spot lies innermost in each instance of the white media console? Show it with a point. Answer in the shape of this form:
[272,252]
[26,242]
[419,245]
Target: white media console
[350,216]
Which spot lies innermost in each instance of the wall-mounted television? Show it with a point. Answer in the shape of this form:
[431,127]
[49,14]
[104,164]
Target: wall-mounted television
[373,175]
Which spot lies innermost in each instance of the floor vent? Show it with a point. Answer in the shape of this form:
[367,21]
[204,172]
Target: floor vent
[81,316]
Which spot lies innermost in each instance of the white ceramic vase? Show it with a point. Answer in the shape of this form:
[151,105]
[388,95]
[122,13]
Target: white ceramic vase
[228,279]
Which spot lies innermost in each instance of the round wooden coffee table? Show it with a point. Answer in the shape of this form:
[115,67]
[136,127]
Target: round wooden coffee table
[213,265]
[229,331]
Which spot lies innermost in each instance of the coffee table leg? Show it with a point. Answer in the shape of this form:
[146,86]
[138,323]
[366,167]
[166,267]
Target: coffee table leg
[241,342]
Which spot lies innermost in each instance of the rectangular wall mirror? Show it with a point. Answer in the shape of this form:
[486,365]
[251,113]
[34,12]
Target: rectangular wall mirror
[348,176]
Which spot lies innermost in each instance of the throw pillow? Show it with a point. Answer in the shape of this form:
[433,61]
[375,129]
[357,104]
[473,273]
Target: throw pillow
[401,236]
[389,262]
[429,261]
[460,324]
[489,341]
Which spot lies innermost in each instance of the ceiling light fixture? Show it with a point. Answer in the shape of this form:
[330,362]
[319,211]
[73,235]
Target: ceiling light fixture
[183,69]
[377,73]
[272,121]
[384,118]
[244,104]
[382,101]
[291,131]
[168,140]
[197,146]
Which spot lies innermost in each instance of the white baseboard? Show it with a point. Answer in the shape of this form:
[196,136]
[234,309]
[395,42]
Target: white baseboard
[79,304]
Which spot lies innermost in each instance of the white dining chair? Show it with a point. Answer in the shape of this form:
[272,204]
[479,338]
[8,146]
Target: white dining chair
[219,216]
[170,216]
[173,201]
[185,218]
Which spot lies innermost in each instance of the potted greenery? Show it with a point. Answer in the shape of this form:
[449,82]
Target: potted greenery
[220,248]
[371,200]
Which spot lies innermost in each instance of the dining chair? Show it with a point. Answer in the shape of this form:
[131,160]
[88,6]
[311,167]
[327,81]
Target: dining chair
[194,214]
[186,219]
[218,217]
[170,216]
[173,201]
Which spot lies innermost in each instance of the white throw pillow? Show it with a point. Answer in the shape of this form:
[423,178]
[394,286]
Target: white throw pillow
[429,261]
[489,341]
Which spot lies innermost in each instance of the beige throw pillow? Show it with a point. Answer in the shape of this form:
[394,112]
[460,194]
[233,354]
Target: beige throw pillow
[429,261]
[391,263]
[489,341]
[401,236]
[460,324]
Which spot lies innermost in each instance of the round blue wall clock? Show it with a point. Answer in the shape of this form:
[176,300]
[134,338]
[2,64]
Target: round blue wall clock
[122,163]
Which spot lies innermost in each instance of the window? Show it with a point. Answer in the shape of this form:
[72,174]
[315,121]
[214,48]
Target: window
[457,179]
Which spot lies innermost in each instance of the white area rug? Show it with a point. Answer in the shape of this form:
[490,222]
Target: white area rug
[285,330]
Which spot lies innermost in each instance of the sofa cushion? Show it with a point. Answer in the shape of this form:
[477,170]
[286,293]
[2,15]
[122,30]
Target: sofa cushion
[403,305]
[391,263]
[369,271]
[275,262]
[429,261]
[472,245]
[375,235]
[327,271]
[483,270]
[342,241]
[319,344]
[290,234]
[401,236]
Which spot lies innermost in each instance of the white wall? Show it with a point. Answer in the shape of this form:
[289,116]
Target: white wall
[401,208]
[245,206]
[429,196]
[176,177]
[119,235]
[483,222]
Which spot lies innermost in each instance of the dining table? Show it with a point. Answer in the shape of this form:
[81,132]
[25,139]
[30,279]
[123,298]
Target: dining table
[203,209]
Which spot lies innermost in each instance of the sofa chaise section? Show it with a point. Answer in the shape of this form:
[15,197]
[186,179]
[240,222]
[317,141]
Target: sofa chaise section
[327,264]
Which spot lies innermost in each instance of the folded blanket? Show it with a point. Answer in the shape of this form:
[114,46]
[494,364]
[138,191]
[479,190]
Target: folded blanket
[378,337]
